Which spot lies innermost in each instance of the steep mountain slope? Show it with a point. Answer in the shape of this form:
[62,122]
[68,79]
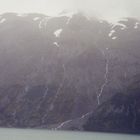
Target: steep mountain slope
[120,114]
[57,69]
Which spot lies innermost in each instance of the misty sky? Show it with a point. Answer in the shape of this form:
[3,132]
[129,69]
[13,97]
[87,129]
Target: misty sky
[105,8]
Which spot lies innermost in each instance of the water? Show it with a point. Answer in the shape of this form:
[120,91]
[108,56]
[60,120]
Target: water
[24,134]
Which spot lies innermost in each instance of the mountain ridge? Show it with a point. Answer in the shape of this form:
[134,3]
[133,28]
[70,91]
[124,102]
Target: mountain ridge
[54,70]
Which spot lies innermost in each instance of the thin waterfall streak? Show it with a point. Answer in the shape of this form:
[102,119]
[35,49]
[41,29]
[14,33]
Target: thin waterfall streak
[105,78]
[63,124]
[68,121]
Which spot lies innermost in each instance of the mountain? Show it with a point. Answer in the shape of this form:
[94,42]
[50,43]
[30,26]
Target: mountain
[56,70]
[120,114]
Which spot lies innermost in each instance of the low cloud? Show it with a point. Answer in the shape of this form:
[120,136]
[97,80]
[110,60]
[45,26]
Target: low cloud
[103,8]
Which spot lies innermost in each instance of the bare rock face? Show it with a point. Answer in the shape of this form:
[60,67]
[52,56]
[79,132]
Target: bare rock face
[120,114]
[56,70]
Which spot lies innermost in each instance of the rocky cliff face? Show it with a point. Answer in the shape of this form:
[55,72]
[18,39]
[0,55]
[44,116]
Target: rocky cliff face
[57,69]
[120,114]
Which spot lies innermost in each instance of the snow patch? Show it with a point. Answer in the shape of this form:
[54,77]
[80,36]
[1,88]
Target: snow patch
[58,32]
[69,15]
[2,20]
[136,25]
[114,37]
[123,26]
[44,22]
[36,18]
[56,44]
[111,33]
[69,19]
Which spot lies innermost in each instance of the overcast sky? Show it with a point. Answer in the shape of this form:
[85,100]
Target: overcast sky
[105,8]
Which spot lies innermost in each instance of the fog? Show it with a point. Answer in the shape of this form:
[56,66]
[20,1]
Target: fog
[109,9]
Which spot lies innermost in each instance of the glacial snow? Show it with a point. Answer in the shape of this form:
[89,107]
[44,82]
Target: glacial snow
[56,44]
[114,37]
[111,33]
[2,20]
[36,18]
[136,25]
[58,32]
